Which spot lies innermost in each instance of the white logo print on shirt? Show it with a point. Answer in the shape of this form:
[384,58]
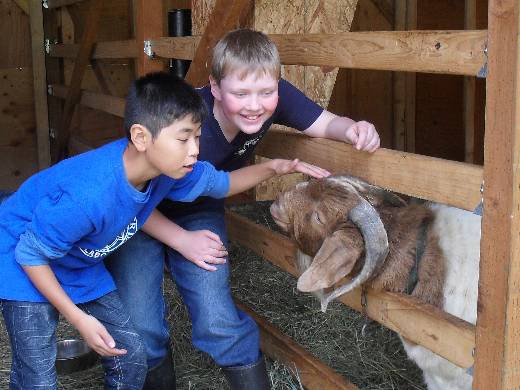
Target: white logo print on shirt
[125,235]
[248,144]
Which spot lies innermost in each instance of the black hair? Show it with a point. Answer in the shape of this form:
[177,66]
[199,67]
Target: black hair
[158,99]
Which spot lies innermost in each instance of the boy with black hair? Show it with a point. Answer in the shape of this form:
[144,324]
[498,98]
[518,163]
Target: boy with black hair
[56,230]
[245,97]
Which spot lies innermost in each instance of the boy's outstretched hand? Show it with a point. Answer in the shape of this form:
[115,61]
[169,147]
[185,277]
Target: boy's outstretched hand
[282,167]
[363,136]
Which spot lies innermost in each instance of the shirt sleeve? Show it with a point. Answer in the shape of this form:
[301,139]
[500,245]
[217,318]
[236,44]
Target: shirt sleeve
[58,223]
[294,108]
[204,180]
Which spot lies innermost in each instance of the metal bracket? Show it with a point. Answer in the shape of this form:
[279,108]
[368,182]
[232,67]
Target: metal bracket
[52,133]
[48,43]
[45,4]
[482,73]
[50,90]
[148,49]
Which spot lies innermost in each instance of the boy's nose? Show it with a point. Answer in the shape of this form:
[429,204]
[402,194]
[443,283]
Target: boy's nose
[194,148]
[253,103]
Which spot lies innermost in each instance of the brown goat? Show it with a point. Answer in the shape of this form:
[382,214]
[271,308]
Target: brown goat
[316,214]
[346,227]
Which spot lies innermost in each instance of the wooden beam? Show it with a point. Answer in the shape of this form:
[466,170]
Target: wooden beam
[314,374]
[470,23]
[225,17]
[80,65]
[444,181]
[410,82]
[106,103]
[498,326]
[102,50]
[149,24]
[444,334]
[40,84]
[58,3]
[450,52]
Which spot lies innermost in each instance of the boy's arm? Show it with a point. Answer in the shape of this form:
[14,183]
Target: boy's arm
[90,329]
[248,177]
[362,135]
[201,247]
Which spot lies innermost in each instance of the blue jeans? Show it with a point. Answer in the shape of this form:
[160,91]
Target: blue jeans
[32,334]
[219,328]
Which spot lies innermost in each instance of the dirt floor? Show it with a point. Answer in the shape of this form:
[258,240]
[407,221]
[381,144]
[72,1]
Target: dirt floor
[375,360]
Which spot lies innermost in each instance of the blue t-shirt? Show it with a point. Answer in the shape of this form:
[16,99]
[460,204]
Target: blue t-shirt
[72,215]
[294,110]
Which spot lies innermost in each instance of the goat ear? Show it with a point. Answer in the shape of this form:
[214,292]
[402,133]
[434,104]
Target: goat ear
[335,259]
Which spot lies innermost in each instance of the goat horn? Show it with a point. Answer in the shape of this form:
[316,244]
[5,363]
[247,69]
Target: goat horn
[366,218]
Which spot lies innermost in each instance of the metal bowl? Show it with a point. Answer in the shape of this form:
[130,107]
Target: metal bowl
[74,355]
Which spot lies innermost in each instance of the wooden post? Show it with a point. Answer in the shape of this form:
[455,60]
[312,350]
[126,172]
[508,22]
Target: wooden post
[80,65]
[149,24]
[40,84]
[498,326]
[405,18]
[470,23]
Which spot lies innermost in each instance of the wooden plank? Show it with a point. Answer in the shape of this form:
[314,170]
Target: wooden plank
[449,52]
[102,50]
[18,146]
[225,17]
[470,23]
[498,324]
[106,103]
[40,85]
[16,45]
[82,60]
[444,181]
[149,24]
[410,83]
[314,374]
[442,333]
[399,86]
[50,4]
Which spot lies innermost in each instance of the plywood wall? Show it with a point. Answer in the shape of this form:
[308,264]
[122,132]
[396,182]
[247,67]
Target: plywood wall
[17,119]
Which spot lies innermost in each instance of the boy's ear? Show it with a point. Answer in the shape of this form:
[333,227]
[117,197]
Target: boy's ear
[140,137]
[215,88]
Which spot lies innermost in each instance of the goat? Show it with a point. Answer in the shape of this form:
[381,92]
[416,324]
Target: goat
[346,227]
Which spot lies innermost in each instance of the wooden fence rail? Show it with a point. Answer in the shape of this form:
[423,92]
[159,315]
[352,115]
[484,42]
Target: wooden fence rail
[448,52]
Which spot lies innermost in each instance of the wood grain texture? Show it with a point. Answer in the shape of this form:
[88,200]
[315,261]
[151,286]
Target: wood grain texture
[447,52]
[449,182]
[498,322]
[40,85]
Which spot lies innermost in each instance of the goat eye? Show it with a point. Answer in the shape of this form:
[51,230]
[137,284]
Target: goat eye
[317,216]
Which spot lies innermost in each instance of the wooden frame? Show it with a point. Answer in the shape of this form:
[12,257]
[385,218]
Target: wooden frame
[493,343]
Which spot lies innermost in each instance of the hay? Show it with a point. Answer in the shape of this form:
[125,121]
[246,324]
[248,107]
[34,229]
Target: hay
[373,361]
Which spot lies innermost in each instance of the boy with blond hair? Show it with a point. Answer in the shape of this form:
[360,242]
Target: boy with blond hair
[245,96]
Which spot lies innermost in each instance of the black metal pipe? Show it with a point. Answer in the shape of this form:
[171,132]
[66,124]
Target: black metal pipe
[179,25]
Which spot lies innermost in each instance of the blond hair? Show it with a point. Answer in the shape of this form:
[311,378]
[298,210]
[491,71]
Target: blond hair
[247,51]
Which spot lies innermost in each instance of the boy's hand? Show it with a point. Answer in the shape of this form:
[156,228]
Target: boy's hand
[363,136]
[97,337]
[202,247]
[282,167]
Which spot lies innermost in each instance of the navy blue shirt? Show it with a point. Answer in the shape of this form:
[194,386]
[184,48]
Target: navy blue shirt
[294,110]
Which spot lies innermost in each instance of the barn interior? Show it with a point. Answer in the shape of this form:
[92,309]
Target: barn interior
[66,68]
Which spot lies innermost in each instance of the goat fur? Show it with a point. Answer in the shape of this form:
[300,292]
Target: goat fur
[448,271]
